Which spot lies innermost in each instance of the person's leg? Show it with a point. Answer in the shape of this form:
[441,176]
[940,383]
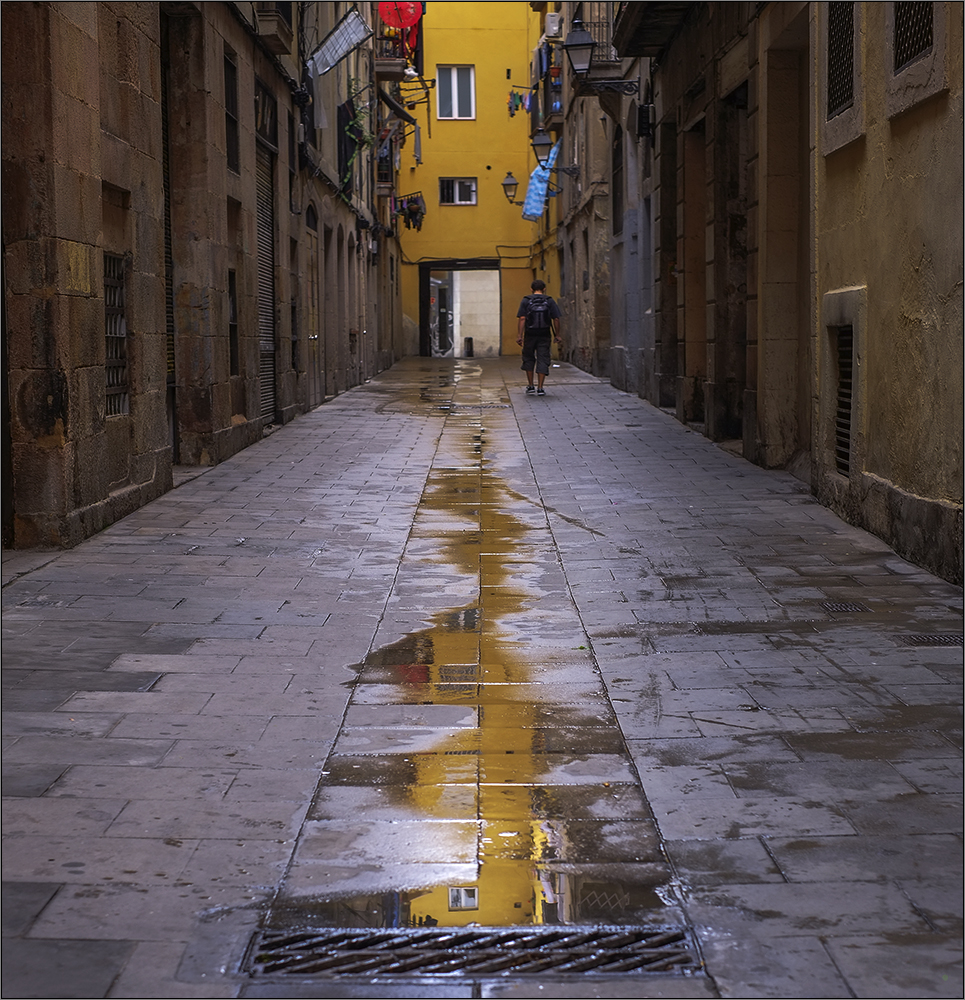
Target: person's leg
[542,361]
[529,360]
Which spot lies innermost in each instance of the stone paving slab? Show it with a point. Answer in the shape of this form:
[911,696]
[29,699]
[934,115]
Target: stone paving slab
[248,722]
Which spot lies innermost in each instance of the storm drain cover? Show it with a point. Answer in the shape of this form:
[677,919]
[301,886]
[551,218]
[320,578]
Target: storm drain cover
[844,606]
[930,639]
[470,951]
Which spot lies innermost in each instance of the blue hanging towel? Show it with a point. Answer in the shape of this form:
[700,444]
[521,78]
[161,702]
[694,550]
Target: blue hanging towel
[535,200]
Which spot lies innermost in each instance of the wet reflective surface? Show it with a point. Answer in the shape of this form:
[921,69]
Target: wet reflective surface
[480,777]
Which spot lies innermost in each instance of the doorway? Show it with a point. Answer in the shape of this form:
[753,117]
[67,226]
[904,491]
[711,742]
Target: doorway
[461,308]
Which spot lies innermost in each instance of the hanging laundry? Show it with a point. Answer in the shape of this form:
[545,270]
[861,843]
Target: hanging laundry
[411,209]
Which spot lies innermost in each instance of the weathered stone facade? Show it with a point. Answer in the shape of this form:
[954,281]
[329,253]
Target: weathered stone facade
[803,296]
[195,247]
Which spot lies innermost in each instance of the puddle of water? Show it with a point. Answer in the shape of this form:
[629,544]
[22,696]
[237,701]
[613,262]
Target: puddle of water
[480,777]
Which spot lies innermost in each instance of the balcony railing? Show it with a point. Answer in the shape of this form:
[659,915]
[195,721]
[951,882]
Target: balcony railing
[598,21]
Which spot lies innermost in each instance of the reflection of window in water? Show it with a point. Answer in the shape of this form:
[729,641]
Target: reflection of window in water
[463,898]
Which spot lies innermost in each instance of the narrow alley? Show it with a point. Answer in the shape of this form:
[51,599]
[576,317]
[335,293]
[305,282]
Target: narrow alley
[443,690]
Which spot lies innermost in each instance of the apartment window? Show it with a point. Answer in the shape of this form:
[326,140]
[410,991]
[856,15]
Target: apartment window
[842,118]
[457,190]
[232,145]
[455,89]
[914,32]
[840,58]
[115,330]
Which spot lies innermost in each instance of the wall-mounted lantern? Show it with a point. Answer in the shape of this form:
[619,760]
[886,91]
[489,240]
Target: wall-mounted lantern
[578,46]
[510,185]
[542,144]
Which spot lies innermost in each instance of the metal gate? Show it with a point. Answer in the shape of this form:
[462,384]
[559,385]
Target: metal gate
[266,281]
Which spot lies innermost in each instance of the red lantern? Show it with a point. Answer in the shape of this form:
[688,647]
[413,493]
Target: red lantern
[400,14]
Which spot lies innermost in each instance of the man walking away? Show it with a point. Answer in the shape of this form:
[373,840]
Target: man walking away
[539,318]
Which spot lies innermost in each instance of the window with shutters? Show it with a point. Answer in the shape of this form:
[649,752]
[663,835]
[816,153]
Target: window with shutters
[115,330]
[455,92]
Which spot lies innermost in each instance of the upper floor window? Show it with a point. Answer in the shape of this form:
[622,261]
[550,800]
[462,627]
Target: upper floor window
[457,190]
[840,58]
[914,32]
[916,36]
[456,91]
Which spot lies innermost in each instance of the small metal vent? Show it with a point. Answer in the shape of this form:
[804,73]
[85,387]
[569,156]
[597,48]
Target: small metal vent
[471,951]
[839,606]
[845,400]
[929,639]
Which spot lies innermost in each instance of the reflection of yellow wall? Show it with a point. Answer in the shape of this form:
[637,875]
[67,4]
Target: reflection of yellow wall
[495,38]
[509,846]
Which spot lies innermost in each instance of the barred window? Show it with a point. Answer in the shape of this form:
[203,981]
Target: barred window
[914,32]
[232,133]
[457,190]
[840,58]
[115,329]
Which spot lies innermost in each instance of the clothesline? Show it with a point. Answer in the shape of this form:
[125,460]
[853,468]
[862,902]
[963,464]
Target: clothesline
[520,99]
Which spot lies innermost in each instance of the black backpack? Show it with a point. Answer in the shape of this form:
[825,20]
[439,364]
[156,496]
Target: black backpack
[538,312]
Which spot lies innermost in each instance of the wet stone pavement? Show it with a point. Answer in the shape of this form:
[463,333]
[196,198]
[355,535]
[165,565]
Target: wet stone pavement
[447,691]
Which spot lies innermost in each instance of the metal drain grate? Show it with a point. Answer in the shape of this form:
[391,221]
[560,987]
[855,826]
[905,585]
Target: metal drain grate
[472,951]
[449,407]
[844,606]
[929,639]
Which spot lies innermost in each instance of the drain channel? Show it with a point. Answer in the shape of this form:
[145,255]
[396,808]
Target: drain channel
[930,639]
[321,952]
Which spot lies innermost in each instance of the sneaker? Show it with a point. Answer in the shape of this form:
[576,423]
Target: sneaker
[540,392]
[531,388]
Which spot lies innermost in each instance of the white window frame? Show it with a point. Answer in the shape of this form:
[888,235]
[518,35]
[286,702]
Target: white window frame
[447,81]
[457,183]
[463,897]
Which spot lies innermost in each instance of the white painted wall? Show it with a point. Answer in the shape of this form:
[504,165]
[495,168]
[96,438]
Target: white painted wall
[476,310]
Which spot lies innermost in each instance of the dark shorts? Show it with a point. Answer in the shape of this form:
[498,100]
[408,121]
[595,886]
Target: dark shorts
[536,352]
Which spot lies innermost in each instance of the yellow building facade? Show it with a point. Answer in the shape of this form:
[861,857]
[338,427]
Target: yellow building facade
[468,254]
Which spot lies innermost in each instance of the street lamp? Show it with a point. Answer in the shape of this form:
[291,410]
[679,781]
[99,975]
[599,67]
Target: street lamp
[579,46]
[510,184]
[542,144]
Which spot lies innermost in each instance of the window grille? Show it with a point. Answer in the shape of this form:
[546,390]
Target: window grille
[845,399]
[457,190]
[232,145]
[914,32]
[840,57]
[115,329]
